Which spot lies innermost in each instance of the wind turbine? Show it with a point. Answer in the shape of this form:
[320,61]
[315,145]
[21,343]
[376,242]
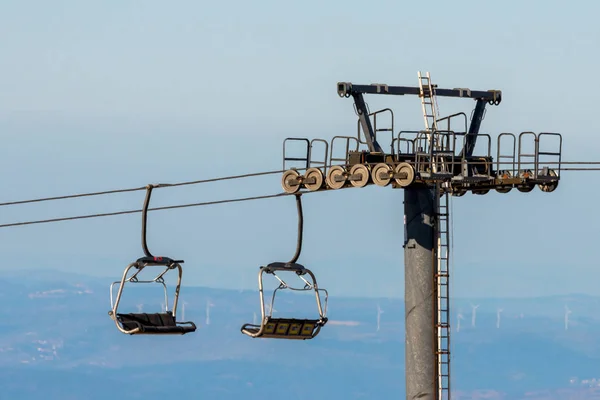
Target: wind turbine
[498,318]
[567,312]
[208,306]
[241,289]
[474,314]
[459,317]
[379,312]
[271,309]
[183,310]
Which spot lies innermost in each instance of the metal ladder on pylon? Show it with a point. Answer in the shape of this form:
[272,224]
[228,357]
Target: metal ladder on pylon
[428,101]
[442,283]
[430,115]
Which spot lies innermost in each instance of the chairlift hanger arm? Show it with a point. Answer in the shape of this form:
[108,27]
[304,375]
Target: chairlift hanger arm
[145,220]
[300,229]
[347,89]
[149,258]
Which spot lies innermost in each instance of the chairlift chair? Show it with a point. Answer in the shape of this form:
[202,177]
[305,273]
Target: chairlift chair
[161,323]
[288,328]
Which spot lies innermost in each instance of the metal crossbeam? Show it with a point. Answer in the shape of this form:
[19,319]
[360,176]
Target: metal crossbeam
[347,89]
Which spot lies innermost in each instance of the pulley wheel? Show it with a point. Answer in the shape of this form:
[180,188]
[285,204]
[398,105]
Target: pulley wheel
[503,189]
[458,192]
[377,170]
[525,187]
[317,174]
[405,167]
[549,186]
[287,187]
[364,171]
[505,175]
[334,172]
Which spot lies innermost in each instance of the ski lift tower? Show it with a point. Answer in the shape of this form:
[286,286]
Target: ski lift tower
[429,166]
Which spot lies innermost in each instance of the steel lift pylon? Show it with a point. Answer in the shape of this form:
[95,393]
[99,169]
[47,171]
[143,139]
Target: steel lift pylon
[430,167]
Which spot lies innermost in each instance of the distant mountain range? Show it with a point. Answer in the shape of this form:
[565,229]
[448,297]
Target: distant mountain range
[57,340]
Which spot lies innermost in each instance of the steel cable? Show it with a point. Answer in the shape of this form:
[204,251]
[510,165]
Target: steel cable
[43,221]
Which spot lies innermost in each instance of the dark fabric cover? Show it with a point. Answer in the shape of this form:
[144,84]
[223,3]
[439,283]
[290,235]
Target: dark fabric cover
[285,266]
[160,260]
[154,323]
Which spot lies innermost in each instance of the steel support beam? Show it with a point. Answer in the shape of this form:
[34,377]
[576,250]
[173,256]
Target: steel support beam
[365,122]
[471,138]
[346,89]
[419,293]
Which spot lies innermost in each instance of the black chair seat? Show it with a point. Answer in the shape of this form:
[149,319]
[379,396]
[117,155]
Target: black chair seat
[287,328]
[158,323]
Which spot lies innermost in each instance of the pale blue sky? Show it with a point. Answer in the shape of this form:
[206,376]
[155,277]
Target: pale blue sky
[120,94]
